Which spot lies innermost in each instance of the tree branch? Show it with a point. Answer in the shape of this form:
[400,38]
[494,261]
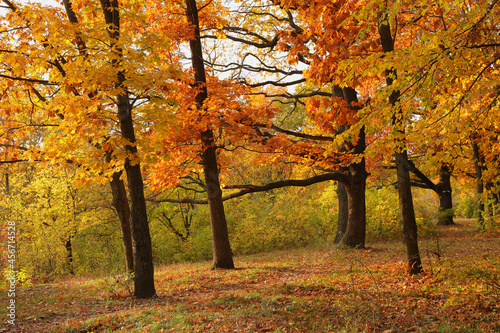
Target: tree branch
[28,80]
[298,134]
[246,189]
[428,183]
[13,161]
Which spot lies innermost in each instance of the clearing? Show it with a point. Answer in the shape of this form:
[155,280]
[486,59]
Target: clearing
[317,289]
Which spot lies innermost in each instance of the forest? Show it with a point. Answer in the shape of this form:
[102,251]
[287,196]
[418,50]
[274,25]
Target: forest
[138,138]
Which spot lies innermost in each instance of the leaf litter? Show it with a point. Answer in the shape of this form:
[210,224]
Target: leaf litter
[314,289]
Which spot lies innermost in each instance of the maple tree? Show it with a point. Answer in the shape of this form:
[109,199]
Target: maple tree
[435,75]
[371,58]
[465,75]
[278,31]
[408,221]
[222,257]
[143,263]
[120,200]
[381,83]
[70,102]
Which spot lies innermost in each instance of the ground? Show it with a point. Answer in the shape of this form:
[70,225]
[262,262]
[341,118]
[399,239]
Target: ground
[316,289]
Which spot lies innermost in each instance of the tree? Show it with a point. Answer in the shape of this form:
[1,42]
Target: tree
[439,68]
[288,29]
[88,102]
[143,257]
[448,78]
[442,188]
[223,257]
[120,200]
[327,35]
[408,221]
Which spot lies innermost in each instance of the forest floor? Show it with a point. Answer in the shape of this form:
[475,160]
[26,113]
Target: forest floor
[316,289]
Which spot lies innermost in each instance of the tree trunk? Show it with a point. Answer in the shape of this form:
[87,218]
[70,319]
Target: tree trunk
[222,254]
[143,256]
[69,255]
[343,212]
[356,227]
[479,182]
[342,198]
[120,202]
[444,192]
[408,221]
[7,183]
[355,232]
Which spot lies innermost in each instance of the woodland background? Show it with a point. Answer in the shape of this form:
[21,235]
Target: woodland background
[148,115]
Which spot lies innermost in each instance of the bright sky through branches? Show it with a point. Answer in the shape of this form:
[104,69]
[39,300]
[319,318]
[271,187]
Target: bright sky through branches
[53,3]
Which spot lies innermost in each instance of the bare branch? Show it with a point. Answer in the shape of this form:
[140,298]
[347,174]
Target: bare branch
[337,176]
[10,5]
[300,135]
[428,183]
[274,83]
[12,161]
[28,80]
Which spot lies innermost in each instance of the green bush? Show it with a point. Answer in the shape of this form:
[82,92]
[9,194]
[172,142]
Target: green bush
[382,214]
[98,250]
[426,205]
[169,248]
[467,207]
[280,219]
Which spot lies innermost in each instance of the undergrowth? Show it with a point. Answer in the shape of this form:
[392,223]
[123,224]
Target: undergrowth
[313,289]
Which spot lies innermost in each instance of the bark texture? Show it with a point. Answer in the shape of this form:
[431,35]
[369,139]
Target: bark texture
[143,254]
[343,212]
[222,254]
[408,221]
[479,181]
[355,233]
[444,192]
[120,202]
[143,257]
[69,255]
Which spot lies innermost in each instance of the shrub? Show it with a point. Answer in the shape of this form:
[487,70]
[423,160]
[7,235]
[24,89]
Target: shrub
[467,207]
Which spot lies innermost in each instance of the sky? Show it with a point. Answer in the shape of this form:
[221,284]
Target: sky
[57,3]
[45,2]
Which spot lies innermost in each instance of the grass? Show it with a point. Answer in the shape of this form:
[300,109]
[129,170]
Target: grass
[305,290]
